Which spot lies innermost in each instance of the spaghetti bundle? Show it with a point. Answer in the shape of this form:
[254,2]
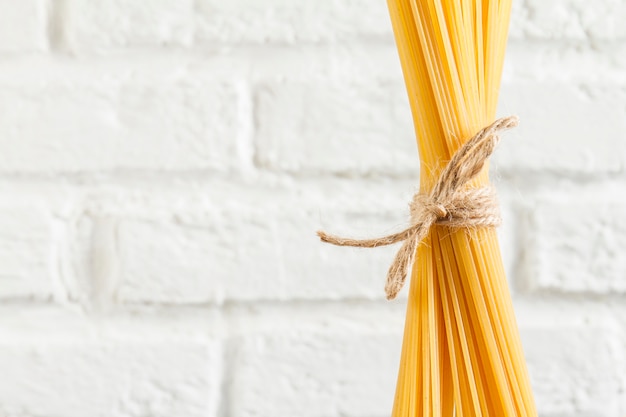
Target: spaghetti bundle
[461,354]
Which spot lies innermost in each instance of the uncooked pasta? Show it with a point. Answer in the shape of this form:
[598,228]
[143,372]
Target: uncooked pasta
[461,354]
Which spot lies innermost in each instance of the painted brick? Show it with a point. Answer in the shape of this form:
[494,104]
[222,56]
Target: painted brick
[76,127]
[575,248]
[339,128]
[195,245]
[22,26]
[366,129]
[284,21]
[314,374]
[108,379]
[575,130]
[575,370]
[27,253]
[93,26]
[248,248]
[132,23]
[568,19]
[564,64]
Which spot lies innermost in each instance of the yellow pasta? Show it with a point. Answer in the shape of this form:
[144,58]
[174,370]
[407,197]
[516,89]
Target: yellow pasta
[461,354]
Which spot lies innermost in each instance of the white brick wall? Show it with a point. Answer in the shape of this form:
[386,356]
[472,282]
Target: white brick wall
[165,164]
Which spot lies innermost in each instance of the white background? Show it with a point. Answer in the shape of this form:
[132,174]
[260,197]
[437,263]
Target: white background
[165,164]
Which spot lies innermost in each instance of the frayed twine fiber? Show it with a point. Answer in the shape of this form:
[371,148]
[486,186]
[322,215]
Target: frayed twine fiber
[448,204]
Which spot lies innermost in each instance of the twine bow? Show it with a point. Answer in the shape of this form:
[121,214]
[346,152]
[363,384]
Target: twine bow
[448,204]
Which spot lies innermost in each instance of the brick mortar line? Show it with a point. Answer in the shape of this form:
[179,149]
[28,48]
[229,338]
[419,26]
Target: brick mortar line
[244,175]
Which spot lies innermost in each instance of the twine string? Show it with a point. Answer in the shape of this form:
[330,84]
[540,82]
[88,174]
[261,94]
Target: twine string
[449,204]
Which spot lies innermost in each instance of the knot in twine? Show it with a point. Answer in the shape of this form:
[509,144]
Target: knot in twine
[448,204]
